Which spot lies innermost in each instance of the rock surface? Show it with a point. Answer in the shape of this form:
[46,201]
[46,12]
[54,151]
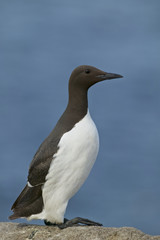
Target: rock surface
[16,231]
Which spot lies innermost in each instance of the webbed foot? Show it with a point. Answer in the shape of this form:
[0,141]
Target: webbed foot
[77,222]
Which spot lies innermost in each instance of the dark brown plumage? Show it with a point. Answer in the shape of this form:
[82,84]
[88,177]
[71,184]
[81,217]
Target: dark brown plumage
[82,78]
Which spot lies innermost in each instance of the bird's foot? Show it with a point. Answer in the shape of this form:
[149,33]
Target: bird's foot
[78,222]
[74,222]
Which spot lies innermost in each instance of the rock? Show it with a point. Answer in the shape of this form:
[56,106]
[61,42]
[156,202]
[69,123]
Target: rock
[16,231]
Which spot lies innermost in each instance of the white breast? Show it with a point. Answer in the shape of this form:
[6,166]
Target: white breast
[70,167]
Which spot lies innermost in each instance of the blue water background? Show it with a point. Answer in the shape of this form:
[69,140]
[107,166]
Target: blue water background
[41,42]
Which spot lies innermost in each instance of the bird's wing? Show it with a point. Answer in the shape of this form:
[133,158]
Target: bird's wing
[30,200]
[41,162]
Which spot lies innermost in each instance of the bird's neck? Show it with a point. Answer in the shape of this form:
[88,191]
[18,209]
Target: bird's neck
[78,101]
[76,109]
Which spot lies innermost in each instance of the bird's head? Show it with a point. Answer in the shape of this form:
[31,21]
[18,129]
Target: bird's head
[85,76]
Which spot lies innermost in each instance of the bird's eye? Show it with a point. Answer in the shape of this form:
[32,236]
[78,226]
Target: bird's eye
[87,71]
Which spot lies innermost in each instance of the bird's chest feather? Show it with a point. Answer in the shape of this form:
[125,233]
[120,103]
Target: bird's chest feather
[75,157]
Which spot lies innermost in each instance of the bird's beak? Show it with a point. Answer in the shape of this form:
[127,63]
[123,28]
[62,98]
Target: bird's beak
[108,76]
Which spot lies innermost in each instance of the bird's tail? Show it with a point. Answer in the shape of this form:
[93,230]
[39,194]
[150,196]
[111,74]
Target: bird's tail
[29,202]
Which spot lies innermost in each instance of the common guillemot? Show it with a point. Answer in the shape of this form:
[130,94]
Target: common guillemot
[65,158]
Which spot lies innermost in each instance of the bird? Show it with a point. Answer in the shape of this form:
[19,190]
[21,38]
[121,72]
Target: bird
[65,158]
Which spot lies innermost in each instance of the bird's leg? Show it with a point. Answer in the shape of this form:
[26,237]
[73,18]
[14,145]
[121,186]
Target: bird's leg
[76,221]
[55,224]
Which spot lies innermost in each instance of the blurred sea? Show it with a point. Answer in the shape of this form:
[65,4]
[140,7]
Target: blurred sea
[41,42]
